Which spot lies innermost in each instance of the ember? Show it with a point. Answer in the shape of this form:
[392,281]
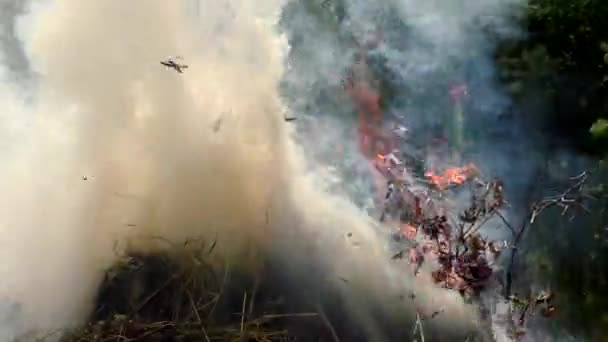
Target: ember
[451,176]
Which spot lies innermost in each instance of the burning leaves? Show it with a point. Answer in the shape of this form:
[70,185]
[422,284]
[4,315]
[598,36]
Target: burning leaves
[463,260]
[466,272]
[451,176]
[460,254]
[460,258]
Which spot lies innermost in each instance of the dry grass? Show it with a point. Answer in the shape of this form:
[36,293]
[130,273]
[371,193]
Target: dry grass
[178,296]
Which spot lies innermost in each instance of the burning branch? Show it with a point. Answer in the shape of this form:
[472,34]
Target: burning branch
[465,261]
[460,253]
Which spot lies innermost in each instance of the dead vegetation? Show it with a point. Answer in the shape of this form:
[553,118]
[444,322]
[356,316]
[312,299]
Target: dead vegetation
[178,296]
[461,258]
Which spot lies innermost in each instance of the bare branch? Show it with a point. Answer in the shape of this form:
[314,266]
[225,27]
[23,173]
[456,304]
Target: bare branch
[507,223]
[572,196]
[418,327]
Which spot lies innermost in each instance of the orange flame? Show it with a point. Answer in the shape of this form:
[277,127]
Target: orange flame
[409,231]
[451,176]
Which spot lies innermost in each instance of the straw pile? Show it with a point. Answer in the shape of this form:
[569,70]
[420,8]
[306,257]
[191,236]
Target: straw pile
[178,296]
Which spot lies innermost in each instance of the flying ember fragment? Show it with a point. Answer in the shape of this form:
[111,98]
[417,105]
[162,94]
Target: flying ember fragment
[170,63]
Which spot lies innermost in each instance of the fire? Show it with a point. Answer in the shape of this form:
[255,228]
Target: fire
[409,231]
[451,176]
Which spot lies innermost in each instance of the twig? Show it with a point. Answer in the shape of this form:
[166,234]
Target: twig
[418,326]
[504,220]
[254,292]
[474,228]
[117,338]
[212,245]
[155,293]
[152,331]
[520,233]
[304,314]
[120,333]
[562,199]
[219,295]
[243,315]
[327,322]
[198,317]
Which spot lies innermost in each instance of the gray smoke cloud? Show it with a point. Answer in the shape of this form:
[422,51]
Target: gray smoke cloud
[426,47]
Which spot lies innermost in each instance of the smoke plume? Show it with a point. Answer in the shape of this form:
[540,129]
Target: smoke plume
[104,147]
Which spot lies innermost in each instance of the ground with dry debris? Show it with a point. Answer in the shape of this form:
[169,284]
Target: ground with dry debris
[177,296]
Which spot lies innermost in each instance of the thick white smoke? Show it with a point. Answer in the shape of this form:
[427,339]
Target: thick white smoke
[114,147]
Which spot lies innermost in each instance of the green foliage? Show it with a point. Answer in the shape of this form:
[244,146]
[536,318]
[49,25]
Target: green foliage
[600,128]
[562,63]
